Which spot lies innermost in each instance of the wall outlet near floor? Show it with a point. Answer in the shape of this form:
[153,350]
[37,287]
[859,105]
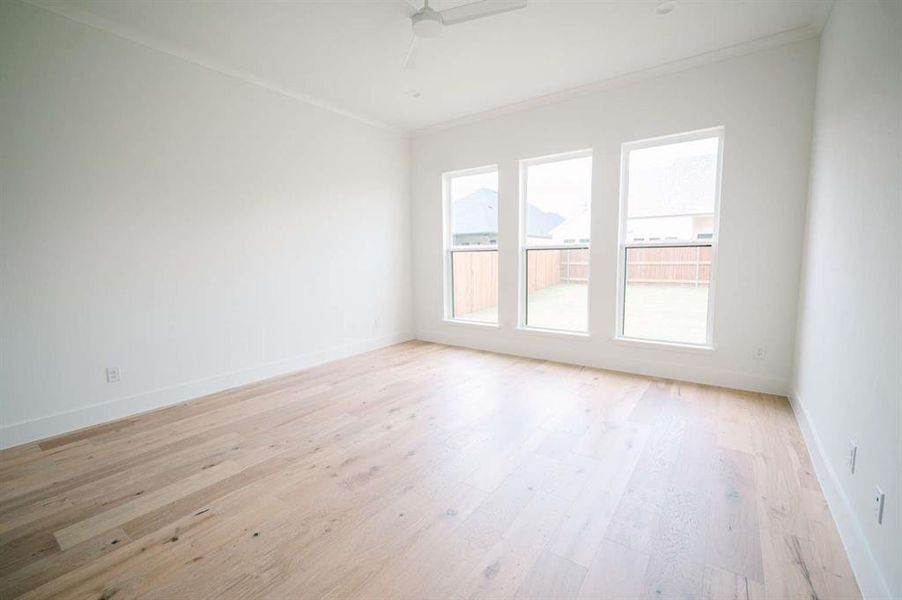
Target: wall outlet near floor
[853,455]
[760,353]
[113,375]
[878,505]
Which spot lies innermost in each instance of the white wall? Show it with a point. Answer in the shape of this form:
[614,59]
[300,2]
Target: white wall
[190,228]
[765,102]
[848,380]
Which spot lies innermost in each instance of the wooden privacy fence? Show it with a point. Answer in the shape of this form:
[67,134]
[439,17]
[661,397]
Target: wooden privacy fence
[687,265]
[475,273]
[546,268]
[475,280]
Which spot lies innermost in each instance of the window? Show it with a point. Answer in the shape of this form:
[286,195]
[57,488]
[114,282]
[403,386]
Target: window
[670,196]
[471,245]
[555,233]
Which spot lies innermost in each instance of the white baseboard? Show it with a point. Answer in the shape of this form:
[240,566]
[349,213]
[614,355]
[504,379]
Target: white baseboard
[576,354]
[867,572]
[31,430]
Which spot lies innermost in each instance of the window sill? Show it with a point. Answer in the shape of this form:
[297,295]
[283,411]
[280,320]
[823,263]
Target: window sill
[577,335]
[479,324]
[657,345]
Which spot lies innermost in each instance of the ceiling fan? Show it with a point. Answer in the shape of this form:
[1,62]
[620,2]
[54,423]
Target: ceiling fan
[429,23]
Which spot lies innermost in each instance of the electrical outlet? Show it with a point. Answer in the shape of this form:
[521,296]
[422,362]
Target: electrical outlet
[853,455]
[113,375]
[878,505]
[760,353]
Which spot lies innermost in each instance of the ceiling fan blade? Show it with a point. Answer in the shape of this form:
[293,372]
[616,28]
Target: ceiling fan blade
[408,7]
[409,61]
[479,9]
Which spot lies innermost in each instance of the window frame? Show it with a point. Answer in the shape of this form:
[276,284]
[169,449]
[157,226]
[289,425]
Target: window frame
[448,248]
[623,244]
[523,267]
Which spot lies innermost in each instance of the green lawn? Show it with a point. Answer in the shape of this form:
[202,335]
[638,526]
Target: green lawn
[666,312]
[561,307]
[653,311]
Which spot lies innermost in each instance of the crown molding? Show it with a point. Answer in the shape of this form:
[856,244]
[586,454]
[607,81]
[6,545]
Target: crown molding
[73,13]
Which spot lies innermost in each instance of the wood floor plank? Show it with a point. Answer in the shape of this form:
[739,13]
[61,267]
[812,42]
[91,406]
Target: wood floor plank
[733,535]
[680,532]
[427,471]
[49,567]
[551,577]
[487,525]
[639,508]
[616,573]
[723,585]
[592,510]
[666,578]
[506,565]
[88,528]
[436,560]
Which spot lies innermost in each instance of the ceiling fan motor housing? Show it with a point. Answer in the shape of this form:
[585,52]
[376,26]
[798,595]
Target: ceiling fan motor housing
[427,23]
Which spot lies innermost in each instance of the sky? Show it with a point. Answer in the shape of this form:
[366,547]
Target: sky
[673,179]
[563,187]
[664,156]
[669,179]
[464,185]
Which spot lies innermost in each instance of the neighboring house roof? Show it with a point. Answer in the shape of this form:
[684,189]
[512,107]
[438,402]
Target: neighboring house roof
[478,213]
[541,223]
[576,228]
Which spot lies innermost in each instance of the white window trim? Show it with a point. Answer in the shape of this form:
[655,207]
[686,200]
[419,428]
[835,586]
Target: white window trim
[448,247]
[522,283]
[623,243]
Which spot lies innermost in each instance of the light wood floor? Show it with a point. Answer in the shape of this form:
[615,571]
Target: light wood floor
[424,471]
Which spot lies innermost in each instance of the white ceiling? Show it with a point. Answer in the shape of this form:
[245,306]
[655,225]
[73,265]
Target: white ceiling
[347,54]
